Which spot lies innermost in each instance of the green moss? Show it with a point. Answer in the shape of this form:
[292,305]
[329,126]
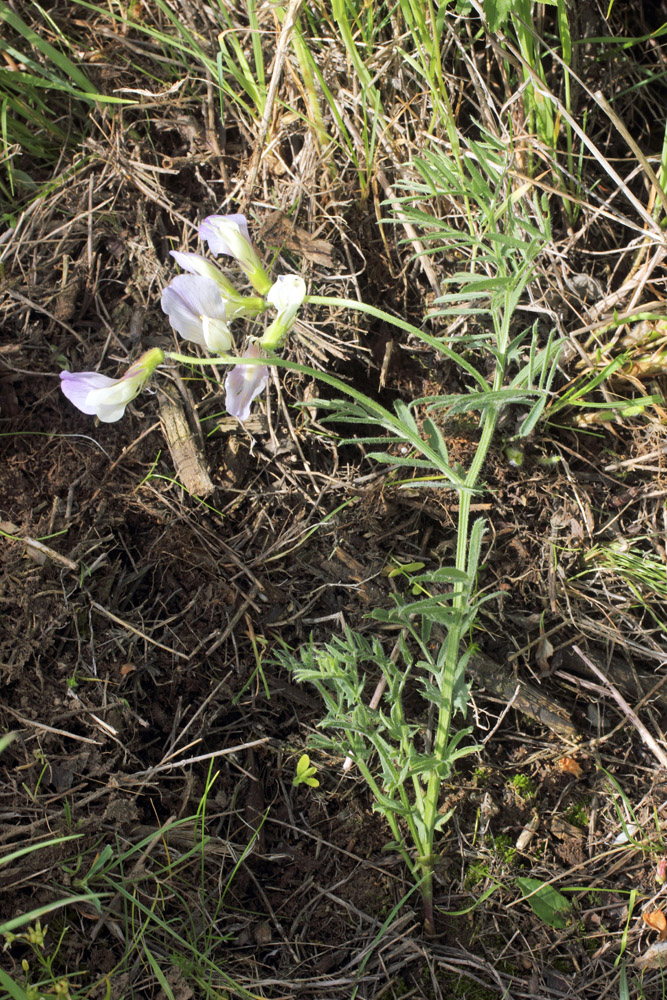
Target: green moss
[503,845]
[477,872]
[480,777]
[577,815]
[563,965]
[460,988]
[524,787]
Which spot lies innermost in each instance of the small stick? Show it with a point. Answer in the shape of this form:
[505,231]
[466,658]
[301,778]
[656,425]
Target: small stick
[47,552]
[49,729]
[131,628]
[599,97]
[195,760]
[650,742]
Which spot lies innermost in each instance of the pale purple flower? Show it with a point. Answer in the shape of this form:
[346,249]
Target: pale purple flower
[236,304]
[194,263]
[243,383]
[228,234]
[197,310]
[106,397]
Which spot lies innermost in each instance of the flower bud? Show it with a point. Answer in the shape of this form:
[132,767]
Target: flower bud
[285,295]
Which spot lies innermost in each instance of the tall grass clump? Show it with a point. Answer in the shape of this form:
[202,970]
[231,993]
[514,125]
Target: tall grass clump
[45,99]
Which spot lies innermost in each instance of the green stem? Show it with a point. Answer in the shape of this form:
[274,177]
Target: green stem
[400,324]
[384,416]
[391,818]
[454,636]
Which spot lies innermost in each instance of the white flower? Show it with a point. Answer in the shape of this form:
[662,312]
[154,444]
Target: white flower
[286,296]
[197,310]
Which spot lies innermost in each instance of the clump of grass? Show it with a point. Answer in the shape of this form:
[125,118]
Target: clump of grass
[149,892]
[42,87]
[636,565]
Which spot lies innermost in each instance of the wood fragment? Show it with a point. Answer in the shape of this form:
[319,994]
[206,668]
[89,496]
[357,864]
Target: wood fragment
[527,698]
[281,232]
[189,462]
[654,957]
[255,424]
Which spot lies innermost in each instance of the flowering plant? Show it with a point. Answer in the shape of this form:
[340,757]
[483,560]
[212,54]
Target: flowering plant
[201,304]
[404,767]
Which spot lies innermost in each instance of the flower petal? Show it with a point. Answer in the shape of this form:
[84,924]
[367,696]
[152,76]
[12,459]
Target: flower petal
[243,384]
[287,293]
[77,386]
[181,317]
[194,263]
[110,403]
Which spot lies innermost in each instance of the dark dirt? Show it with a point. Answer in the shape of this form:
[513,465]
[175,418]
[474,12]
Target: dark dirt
[105,665]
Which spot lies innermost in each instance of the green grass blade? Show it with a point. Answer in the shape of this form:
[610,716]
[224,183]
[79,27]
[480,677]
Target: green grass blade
[41,911]
[37,847]
[13,989]
[49,51]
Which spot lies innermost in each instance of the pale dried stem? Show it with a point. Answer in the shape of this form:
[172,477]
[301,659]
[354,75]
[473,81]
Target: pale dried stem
[630,714]
[281,54]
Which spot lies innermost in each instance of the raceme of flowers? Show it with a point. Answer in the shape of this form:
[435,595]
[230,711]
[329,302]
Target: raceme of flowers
[201,304]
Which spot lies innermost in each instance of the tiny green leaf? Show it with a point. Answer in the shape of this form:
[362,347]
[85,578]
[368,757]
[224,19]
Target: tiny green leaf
[305,773]
[546,902]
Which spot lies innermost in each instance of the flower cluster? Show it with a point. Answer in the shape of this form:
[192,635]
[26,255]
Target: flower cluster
[200,304]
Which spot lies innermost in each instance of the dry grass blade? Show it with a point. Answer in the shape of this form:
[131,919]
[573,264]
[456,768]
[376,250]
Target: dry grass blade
[632,716]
